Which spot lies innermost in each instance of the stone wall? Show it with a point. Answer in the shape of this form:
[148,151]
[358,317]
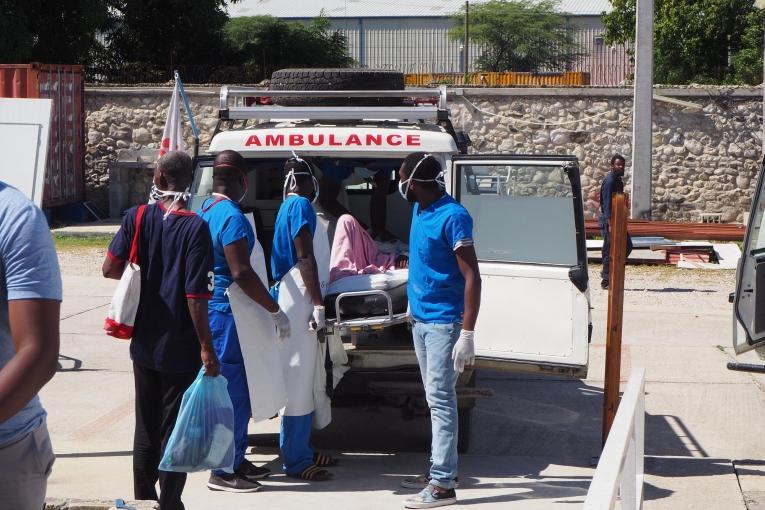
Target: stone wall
[705,160]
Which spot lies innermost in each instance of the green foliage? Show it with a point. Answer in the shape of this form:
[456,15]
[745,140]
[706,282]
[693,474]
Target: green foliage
[62,32]
[697,41]
[262,44]
[519,35]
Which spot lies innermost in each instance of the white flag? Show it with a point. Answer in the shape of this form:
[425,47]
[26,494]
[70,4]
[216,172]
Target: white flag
[172,136]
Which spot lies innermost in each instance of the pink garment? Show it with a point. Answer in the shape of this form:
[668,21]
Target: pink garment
[355,252]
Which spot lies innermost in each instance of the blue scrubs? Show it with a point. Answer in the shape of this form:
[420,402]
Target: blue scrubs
[295,213]
[436,287]
[228,225]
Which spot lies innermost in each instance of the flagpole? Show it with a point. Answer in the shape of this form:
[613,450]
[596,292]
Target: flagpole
[187,107]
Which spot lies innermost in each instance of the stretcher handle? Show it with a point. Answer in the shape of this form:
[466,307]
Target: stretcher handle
[362,293]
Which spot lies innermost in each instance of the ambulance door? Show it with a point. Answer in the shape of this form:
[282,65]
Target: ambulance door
[749,299]
[530,241]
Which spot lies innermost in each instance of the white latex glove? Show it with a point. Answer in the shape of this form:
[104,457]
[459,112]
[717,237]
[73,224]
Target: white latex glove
[317,321]
[282,323]
[463,353]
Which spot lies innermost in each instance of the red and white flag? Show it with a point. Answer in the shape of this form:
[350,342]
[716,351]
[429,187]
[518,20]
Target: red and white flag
[172,136]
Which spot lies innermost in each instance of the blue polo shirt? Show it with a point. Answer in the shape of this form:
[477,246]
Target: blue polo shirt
[436,287]
[227,225]
[295,213]
[28,270]
[176,261]
[612,183]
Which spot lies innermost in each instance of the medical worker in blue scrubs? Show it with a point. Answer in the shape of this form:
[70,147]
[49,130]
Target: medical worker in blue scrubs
[293,246]
[233,240]
[444,292]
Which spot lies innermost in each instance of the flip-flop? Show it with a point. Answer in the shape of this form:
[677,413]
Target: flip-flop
[313,473]
[324,460]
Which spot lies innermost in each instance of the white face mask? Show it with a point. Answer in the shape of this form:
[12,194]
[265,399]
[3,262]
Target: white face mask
[290,182]
[156,194]
[403,186]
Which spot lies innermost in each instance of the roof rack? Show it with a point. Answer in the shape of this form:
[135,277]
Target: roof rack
[233,105]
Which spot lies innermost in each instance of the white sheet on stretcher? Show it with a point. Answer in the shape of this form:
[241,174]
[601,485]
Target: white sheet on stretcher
[361,282]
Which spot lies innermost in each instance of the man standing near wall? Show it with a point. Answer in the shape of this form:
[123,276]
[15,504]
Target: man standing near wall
[444,293]
[612,183]
[171,335]
[30,300]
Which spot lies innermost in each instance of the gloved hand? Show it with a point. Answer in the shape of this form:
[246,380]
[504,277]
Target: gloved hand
[282,323]
[317,321]
[464,351]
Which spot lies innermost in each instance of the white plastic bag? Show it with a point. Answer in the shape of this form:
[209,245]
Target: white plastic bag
[124,306]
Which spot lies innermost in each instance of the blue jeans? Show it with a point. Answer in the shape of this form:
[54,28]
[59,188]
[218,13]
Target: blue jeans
[226,344]
[433,344]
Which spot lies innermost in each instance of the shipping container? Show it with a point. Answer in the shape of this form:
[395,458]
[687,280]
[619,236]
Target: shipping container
[65,85]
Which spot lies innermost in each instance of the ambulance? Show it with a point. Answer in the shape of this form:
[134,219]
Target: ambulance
[528,230]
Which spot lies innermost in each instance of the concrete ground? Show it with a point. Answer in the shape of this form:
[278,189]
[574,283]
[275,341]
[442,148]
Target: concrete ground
[532,444]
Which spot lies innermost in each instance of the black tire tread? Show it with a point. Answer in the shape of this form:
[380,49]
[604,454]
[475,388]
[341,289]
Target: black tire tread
[336,79]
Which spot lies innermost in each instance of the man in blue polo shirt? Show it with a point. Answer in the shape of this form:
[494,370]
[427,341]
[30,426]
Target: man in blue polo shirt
[30,300]
[444,292]
[171,334]
[233,240]
[612,183]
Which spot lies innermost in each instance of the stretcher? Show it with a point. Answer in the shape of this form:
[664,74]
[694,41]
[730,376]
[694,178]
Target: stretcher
[367,301]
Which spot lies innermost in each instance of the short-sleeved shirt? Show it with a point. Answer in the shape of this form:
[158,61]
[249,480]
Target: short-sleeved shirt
[227,225]
[612,183]
[436,287]
[28,270]
[176,261]
[295,213]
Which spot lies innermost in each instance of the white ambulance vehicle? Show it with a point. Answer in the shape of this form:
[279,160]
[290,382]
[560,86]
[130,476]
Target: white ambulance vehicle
[528,229]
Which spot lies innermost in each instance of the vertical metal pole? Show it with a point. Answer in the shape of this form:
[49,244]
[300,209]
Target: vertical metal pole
[466,53]
[618,230]
[643,112]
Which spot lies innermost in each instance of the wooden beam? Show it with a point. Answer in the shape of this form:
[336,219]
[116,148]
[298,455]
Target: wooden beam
[618,232]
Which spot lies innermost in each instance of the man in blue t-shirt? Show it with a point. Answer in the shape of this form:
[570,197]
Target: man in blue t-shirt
[30,300]
[171,334]
[612,183]
[293,246]
[233,240]
[444,292]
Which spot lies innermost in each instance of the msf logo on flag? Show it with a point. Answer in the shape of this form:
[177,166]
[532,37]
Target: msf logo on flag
[172,136]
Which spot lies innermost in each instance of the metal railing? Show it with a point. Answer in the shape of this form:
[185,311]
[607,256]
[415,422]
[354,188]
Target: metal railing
[620,469]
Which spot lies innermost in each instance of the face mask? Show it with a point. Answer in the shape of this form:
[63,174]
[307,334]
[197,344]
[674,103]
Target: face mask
[403,186]
[156,194]
[290,181]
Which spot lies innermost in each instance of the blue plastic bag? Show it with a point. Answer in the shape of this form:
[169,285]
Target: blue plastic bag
[203,436]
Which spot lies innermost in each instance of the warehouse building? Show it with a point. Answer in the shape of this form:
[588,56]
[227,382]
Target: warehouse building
[412,36]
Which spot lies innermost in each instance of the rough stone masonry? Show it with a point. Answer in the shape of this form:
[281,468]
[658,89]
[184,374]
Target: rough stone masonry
[705,160]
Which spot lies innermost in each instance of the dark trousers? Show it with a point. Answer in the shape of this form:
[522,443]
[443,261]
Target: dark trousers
[606,252]
[157,401]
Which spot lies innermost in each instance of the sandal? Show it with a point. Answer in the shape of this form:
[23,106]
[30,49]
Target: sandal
[313,473]
[324,460]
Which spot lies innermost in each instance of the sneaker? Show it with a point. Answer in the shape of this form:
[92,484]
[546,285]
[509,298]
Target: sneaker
[604,284]
[252,471]
[431,497]
[422,481]
[232,483]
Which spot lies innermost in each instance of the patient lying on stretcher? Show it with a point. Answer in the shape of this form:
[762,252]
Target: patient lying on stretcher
[358,264]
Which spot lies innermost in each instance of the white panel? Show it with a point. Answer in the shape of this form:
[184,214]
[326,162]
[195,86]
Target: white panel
[533,314]
[24,128]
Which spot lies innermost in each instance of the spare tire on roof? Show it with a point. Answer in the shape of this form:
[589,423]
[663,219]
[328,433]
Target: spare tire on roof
[337,79]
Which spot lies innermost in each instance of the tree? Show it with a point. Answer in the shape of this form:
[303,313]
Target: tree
[701,41]
[262,44]
[63,32]
[154,37]
[519,35]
